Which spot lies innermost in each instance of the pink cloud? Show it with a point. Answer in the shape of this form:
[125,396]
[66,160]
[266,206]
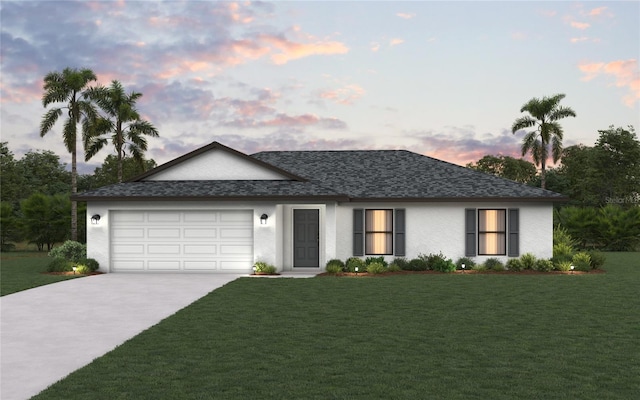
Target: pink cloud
[396,41]
[345,95]
[290,50]
[406,15]
[375,46]
[596,11]
[624,72]
[580,25]
[580,39]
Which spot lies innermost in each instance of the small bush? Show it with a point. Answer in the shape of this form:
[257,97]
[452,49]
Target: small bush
[380,260]
[401,262]
[443,265]
[528,261]
[91,263]
[434,261]
[582,261]
[417,264]
[479,267]
[597,259]
[544,265]
[335,265]
[354,262]
[562,252]
[393,267]
[563,266]
[82,269]
[70,250]
[376,268]
[264,268]
[60,265]
[494,264]
[468,263]
[562,236]
[514,264]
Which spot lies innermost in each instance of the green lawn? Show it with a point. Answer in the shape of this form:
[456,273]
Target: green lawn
[21,270]
[401,337]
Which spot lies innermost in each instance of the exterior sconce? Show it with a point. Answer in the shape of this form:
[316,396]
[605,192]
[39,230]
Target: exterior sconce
[263,219]
[95,219]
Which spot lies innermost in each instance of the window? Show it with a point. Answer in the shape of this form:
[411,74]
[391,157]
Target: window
[379,232]
[492,230]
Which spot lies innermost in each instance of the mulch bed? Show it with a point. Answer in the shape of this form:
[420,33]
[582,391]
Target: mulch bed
[72,273]
[467,272]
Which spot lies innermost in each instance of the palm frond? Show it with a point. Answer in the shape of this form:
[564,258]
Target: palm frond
[49,120]
[522,123]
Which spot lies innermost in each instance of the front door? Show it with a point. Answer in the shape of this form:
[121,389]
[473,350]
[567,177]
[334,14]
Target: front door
[306,238]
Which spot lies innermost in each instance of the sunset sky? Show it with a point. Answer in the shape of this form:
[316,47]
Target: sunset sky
[445,79]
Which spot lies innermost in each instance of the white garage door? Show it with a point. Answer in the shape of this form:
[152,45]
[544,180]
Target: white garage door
[182,241]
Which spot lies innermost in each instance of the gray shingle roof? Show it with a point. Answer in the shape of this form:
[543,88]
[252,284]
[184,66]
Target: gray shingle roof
[385,175]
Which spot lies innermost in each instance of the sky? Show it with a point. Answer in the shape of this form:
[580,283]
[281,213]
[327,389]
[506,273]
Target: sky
[444,79]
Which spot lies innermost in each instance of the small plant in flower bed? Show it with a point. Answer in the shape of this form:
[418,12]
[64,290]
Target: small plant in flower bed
[376,267]
[264,268]
[528,261]
[597,259]
[401,262]
[354,262]
[563,266]
[562,252]
[494,264]
[543,265]
[380,260]
[417,264]
[335,266]
[70,250]
[441,264]
[393,267]
[468,263]
[60,265]
[514,264]
[582,261]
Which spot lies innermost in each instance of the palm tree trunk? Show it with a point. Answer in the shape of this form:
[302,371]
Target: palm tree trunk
[74,190]
[543,183]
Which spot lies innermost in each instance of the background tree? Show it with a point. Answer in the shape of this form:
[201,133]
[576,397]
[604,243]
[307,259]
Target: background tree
[42,172]
[9,227]
[543,114]
[67,87]
[122,121]
[107,174]
[10,180]
[45,218]
[518,170]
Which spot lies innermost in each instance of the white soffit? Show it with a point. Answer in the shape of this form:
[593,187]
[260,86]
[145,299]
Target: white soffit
[216,164]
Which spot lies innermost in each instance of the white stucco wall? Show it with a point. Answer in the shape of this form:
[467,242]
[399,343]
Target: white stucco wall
[439,227]
[216,164]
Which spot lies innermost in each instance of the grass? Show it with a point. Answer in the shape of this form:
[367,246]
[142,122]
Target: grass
[401,337]
[21,270]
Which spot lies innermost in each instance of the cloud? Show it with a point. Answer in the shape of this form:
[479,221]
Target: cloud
[396,41]
[287,121]
[579,39]
[624,72]
[579,25]
[290,50]
[374,46]
[345,95]
[406,15]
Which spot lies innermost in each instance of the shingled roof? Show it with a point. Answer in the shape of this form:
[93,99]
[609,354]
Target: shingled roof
[371,175]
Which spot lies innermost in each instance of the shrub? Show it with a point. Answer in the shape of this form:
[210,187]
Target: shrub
[433,261]
[468,263]
[82,269]
[494,264]
[263,267]
[380,260]
[60,265]
[443,265]
[597,259]
[393,267]
[528,261]
[582,261]
[354,262]
[563,266]
[90,263]
[376,268]
[334,266]
[562,252]
[544,265]
[70,250]
[417,264]
[561,236]
[401,262]
[514,264]
[479,267]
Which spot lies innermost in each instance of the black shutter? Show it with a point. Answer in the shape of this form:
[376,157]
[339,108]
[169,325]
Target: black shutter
[358,232]
[470,232]
[513,249]
[399,233]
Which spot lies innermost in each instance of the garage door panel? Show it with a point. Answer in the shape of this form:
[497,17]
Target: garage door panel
[182,241]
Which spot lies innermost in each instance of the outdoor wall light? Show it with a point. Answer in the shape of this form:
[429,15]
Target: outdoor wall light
[95,219]
[263,219]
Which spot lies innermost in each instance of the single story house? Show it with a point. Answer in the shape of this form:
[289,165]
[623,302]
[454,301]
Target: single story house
[218,210]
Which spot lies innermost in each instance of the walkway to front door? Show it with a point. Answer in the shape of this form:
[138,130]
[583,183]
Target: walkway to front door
[306,238]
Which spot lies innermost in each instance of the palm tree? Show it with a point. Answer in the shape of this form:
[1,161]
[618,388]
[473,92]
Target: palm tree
[122,120]
[544,114]
[67,86]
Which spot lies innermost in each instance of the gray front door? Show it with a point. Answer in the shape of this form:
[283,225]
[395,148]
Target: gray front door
[306,235]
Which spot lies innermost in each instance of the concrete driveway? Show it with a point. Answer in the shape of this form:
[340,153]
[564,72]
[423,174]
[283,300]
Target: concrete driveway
[50,331]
